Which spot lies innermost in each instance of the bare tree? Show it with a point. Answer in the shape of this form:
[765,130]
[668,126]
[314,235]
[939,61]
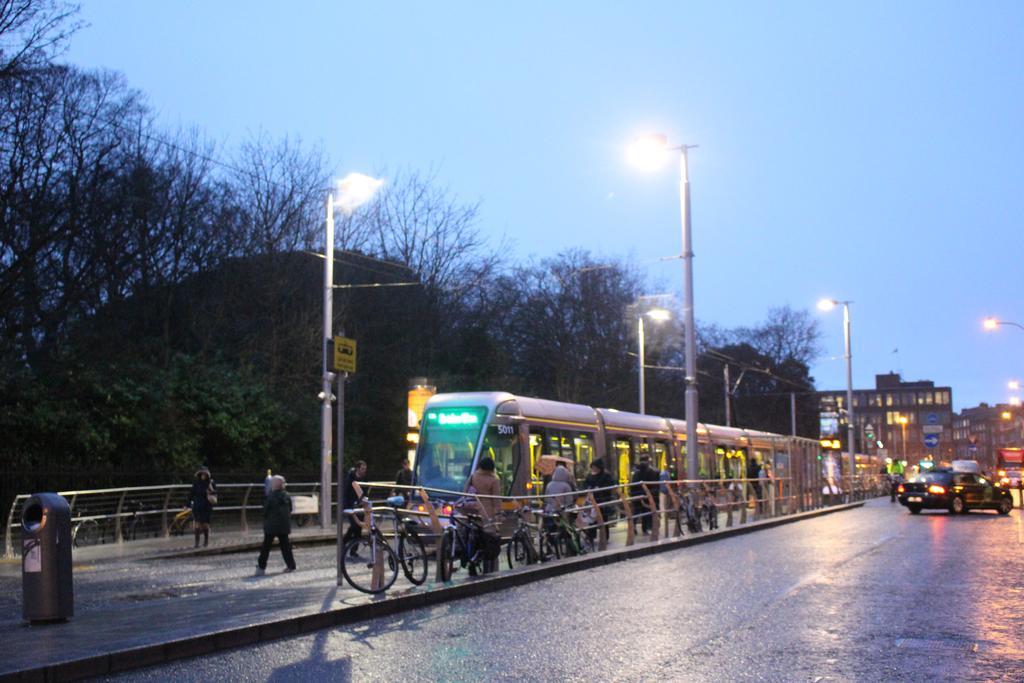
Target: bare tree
[32,32]
[278,190]
[419,224]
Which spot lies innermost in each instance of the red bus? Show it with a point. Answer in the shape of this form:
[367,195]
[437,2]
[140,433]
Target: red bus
[1010,463]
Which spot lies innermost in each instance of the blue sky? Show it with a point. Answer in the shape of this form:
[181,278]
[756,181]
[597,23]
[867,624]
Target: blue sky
[864,151]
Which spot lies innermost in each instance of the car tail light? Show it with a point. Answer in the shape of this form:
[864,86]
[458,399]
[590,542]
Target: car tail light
[900,489]
[446,510]
[936,489]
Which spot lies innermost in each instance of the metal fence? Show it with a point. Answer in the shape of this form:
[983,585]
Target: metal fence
[119,515]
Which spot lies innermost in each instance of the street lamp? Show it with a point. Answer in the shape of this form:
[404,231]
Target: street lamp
[902,419]
[991,324]
[828,305]
[1013,385]
[650,152]
[353,191]
[657,315]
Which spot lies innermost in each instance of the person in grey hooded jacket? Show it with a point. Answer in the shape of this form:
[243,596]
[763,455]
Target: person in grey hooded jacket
[561,483]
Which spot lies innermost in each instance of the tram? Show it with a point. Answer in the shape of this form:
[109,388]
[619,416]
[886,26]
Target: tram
[458,429]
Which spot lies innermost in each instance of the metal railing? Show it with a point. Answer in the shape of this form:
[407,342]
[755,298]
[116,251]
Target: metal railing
[125,514]
[132,513]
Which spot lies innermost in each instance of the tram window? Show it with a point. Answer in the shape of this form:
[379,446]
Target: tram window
[446,451]
[502,443]
[583,446]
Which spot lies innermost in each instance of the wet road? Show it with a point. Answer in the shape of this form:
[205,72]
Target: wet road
[869,594]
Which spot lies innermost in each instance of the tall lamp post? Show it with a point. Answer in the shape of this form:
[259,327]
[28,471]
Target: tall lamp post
[658,315]
[650,152]
[828,305]
[353,191]
[902,419]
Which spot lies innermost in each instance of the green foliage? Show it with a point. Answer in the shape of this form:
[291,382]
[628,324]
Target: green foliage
[138,417]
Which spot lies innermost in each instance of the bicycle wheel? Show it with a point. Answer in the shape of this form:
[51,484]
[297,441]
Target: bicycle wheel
[87,532]
[362,557]
[565,544]
[548,548]
[413,555]
[520,551]
[586,544]
[445,554]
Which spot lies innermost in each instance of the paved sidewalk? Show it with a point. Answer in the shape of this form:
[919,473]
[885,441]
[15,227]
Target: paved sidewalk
[127,617]
[179,546]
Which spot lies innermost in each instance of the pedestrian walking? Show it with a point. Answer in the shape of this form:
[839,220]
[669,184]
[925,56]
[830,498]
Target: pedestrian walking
[277,523]
[349,500]
[267,485]
[201,500]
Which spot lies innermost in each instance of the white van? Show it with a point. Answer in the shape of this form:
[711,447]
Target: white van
[971,466]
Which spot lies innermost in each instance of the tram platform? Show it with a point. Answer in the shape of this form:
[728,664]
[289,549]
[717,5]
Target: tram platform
[217,603]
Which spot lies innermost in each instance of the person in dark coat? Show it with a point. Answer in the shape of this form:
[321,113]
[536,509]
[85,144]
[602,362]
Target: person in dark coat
[277,522]
[349,500]
[404,478]
[644,474]
[600,479]
[201,500]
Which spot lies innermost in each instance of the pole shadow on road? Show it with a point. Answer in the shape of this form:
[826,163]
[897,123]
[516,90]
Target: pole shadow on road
[318,666]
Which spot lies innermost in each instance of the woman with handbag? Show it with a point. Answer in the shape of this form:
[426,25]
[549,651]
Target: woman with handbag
[201,500]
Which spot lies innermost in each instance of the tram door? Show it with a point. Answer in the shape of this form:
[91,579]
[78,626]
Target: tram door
[620,449]
[661,458]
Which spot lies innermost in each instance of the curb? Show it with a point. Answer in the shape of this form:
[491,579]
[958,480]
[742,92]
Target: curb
[226,639]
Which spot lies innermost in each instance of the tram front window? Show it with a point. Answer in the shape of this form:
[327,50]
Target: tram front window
[447,446]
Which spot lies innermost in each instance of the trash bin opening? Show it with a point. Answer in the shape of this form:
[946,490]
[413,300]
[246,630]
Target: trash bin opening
[32,516]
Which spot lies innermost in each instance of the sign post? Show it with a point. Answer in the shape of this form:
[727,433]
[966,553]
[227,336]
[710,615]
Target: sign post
[343,362]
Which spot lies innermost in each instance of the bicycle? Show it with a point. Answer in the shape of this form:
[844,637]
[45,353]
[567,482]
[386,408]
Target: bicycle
[86,531]
[137,523]
[520,550]
[564,538]
[180,523]
[465,540]
[370,564]
[688,515]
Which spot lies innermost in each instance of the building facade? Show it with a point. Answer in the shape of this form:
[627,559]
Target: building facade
[878,416]
[981,431]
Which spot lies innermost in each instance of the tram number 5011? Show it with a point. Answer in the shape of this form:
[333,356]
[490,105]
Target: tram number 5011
[506,430]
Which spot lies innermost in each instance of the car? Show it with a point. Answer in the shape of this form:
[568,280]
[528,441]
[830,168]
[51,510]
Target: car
[957,492]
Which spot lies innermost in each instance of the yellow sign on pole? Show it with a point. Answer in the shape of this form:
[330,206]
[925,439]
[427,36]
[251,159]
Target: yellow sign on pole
[344,354]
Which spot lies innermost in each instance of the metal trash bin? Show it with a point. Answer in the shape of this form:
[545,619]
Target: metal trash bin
[46,581]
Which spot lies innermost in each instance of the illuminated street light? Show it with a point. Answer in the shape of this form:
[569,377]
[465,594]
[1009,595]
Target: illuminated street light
[657,315]
[1013,384]
[828,305]
[902,419]
[991,324]
[1006,415]
[1015,401]
[650,152]
[353,191]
